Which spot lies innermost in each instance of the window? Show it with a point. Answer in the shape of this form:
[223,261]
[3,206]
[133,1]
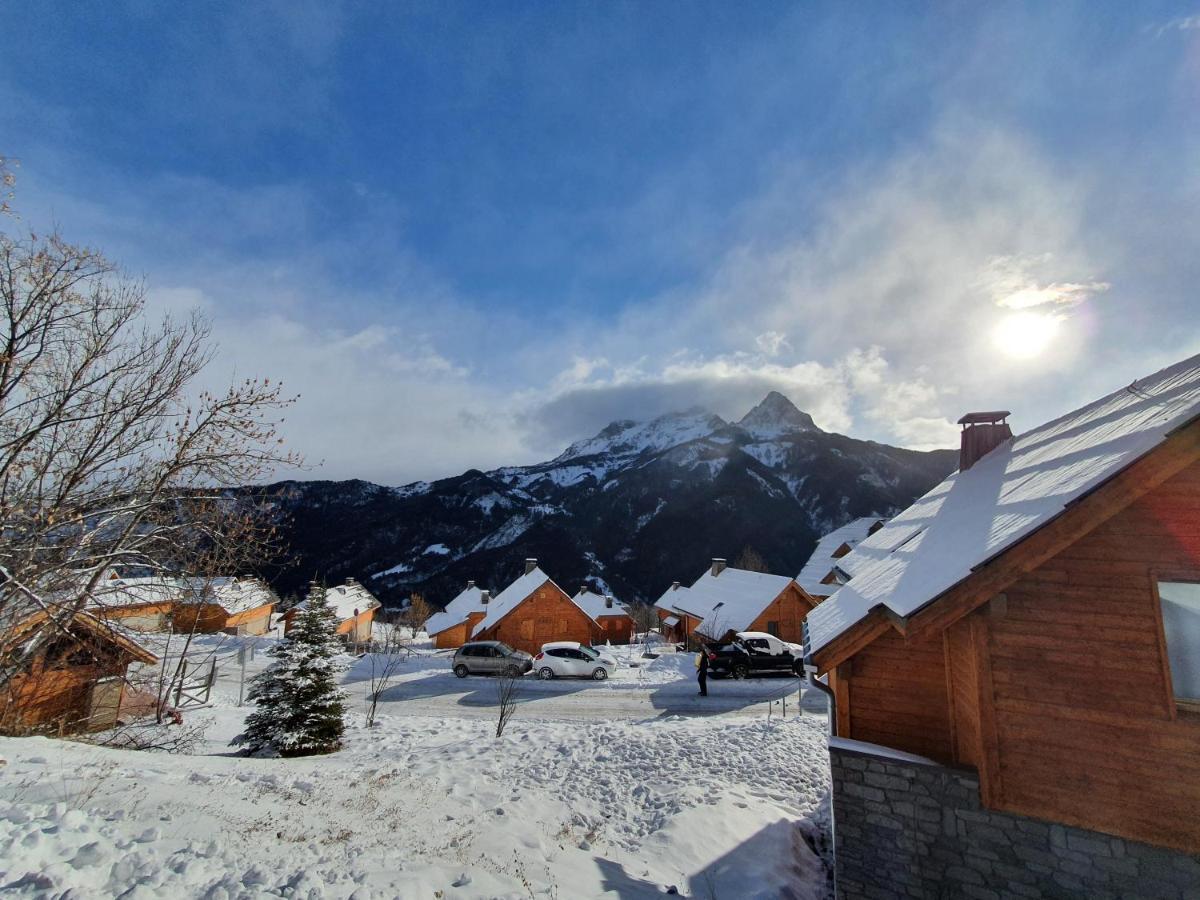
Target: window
[773,629]
[1181,624]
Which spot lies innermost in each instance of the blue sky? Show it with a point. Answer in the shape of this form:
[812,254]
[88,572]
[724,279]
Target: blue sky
[468,234]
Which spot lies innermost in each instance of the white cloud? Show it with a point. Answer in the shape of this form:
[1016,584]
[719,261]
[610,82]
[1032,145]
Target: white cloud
[1013,283]
[772,343]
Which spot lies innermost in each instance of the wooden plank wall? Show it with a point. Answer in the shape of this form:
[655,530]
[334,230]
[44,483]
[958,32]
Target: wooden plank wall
[789,610]
[1082,707]
[963,688]
[898,696]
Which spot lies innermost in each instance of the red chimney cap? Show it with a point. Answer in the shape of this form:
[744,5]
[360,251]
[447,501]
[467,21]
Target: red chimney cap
[982,418]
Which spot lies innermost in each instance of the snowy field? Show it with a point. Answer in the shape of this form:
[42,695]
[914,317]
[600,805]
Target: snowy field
[629,788]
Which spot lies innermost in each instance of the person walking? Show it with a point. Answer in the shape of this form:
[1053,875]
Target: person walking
[702,672]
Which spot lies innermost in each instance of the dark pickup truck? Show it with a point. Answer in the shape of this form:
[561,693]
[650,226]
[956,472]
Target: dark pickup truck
[753,653]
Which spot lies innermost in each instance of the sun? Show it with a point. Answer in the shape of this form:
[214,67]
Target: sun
[1026,335]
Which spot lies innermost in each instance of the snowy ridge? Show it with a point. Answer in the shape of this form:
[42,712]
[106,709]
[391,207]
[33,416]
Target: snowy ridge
[1009,493]
[628,438]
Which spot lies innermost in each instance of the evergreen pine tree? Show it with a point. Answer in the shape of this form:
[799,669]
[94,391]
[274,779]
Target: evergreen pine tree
[300,707]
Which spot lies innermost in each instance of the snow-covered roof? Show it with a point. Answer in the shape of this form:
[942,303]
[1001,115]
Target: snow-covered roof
[732,599]
[510,598]
[456,611]
[822,561]
[1014,490]
[346,598]
[234,594]
[595,605]
[675,599]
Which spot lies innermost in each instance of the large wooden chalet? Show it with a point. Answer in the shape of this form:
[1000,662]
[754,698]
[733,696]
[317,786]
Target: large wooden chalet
[76,682]
[1021,648]
[725,600]
[532,611]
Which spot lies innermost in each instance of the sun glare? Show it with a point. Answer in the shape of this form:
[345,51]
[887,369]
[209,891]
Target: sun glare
[1025,335]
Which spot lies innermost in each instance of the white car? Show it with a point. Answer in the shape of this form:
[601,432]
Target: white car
[571,659]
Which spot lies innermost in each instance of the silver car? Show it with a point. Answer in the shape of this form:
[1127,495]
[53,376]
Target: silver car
[490,658]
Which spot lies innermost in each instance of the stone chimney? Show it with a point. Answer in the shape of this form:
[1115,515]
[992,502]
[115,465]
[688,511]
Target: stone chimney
[485,597]
[982,432]
[350,580]
[674,585]
[530,565]
[718,567]
[608,601]
[470,583]
[583,589]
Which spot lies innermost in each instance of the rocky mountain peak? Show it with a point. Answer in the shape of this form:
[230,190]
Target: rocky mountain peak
[775,415]
[627,437]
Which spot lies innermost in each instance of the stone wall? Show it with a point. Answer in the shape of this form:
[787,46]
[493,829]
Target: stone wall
[906,828]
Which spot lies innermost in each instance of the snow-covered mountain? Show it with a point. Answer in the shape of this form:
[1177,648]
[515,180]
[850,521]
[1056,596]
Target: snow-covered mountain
[633,508]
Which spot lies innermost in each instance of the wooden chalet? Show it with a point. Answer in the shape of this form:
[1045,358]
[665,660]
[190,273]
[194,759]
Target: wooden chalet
[1034,621]
[613,623]
[229,605]
[354,606]
[824,572]
[725,600]
[77,682]
[676,623]
[234,605]
[452,626]
[532,611]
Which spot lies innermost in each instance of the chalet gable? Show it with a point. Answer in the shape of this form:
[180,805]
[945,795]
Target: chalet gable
[1030,497]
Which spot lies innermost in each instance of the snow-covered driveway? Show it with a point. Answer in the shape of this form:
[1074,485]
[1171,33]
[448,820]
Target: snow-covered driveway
[619,789]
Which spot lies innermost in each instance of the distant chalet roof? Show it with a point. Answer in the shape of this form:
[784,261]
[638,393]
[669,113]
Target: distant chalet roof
[1008,494]
[814,576]
[456,611]
[234,594]
[733,599]
[346,598]
[596,605]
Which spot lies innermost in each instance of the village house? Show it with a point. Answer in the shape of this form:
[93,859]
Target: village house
[725,600]
[76,682]
[532,611]
[352,604]
[1015,664]
[823,573]
[614,624]
[675,618]
[233,605]
[452,626]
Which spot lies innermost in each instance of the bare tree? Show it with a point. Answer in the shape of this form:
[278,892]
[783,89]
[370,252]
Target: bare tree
[8,181]
[386,660]
[110,457]
[417,613]
[645,617]
[508,692]
[751,560]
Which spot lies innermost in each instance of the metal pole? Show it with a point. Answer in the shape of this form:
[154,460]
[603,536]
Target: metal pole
[242,684]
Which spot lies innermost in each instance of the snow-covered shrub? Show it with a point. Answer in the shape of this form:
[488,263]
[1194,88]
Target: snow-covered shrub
[300,707]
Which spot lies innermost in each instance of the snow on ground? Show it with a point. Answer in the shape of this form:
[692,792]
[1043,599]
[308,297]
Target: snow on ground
[586,803]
